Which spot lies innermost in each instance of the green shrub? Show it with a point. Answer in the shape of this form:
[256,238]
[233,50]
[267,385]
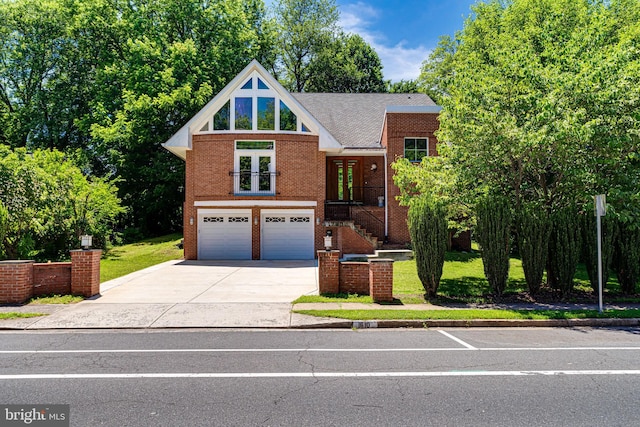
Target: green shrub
[493,235]
[627,257]
[564,249]
[533,229]
[590,246]
[429,235]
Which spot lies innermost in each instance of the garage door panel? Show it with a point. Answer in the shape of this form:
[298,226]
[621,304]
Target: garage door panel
[224,236]
[287,236]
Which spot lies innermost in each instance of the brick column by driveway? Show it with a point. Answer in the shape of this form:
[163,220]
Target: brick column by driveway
[85,272]
[328,272]
[16,281]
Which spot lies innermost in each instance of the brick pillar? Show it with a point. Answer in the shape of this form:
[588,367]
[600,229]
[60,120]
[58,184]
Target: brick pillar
[16,281]
[85,272]
[328,272]
[381,279]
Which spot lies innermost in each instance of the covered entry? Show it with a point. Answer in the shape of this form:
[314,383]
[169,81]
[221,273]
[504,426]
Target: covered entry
[224,234]
[287,234]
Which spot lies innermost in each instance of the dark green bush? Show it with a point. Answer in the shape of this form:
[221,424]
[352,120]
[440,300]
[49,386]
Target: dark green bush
[533,229]
[429,236]
[627,257]
[590,246]
[493,235]
[564,249]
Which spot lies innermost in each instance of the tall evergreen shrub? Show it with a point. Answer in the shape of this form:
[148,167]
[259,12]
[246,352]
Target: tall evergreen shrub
[590,246]
[429,236]
[534,230]
[564,249]
[493,234]
[627,257]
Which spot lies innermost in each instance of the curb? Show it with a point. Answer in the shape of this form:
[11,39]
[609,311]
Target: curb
[477,323]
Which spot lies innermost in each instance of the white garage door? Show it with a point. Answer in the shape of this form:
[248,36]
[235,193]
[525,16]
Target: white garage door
[224,235]
[287,236]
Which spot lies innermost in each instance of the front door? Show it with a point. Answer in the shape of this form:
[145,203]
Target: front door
[344,179]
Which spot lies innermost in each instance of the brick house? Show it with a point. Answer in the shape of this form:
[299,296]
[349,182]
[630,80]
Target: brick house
[269,172]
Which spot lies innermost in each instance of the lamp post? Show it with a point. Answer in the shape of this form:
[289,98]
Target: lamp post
[328,240]
[86,241]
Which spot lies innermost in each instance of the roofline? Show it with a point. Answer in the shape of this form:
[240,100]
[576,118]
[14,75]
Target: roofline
[432,109]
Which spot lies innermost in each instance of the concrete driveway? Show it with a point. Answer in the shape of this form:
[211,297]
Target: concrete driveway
[179,294]
[214,282]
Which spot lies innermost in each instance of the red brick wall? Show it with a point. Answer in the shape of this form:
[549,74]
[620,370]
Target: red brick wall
[354,277]
[52,278]
[301,177]
[16,279]
[346,240]
[381,280]
[398,126]
[328,272]
[85,272]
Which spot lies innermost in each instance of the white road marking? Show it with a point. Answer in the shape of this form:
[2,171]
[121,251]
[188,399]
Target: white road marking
[317,374]
[458,340]
[315,350]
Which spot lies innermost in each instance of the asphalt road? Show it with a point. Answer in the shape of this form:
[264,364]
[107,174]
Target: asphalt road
[456,377]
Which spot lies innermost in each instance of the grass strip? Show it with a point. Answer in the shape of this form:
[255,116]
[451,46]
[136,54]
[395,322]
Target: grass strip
[15,315]
[471,314]
[56,299]
[365,299]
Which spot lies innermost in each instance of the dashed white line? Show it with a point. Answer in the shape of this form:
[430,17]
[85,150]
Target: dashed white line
[458,340]
[223,375]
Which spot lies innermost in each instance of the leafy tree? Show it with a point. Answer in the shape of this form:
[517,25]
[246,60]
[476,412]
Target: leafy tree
[50,203]
[437,70]
[304,28]
[493,235]
[533,230]
[403,86]
[346,64]
[429,236]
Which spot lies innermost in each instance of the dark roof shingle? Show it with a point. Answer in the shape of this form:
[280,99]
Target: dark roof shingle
[356,119]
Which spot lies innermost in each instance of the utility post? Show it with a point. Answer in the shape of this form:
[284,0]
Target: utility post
[600,211]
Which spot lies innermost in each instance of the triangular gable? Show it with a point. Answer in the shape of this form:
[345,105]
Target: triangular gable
[180,142]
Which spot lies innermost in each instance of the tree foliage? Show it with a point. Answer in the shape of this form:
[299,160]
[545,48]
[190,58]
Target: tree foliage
[429,236]
[49,203]
[345,64]
[541,102]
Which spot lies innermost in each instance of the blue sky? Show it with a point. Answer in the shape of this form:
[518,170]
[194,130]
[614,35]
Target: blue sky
[403,32]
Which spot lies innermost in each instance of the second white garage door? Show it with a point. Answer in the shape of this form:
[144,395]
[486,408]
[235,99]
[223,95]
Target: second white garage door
[224,234]
[287,235]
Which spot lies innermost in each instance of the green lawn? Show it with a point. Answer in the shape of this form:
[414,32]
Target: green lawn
[16,315]
[463,278]
[470,314]
[126,259]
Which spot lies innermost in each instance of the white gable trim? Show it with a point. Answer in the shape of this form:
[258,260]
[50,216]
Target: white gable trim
[181,141]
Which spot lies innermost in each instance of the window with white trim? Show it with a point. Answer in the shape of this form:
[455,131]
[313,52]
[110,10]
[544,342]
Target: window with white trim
[254,170]
[254,106]
[415,149]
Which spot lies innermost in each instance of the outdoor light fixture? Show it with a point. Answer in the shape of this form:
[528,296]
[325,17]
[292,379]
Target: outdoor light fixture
[255,220]
[328,240]
[191,221]
[374,167]
[86,241]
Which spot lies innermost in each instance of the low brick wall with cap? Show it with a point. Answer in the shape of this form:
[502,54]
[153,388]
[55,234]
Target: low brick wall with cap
[374,277]
[24,279]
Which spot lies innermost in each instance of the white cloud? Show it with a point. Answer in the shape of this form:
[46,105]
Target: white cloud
[399,61]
